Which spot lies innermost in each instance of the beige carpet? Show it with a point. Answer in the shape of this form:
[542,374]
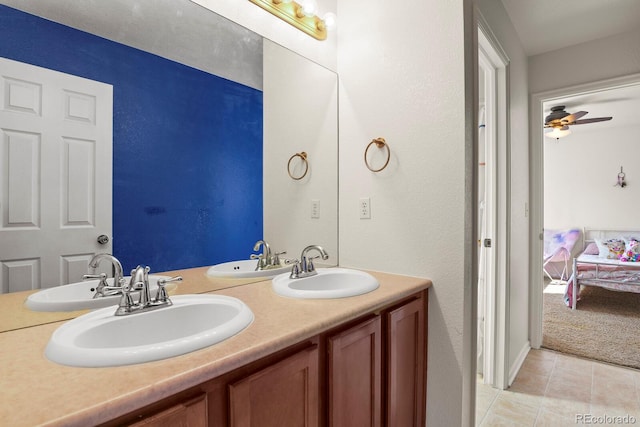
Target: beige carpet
[606,326]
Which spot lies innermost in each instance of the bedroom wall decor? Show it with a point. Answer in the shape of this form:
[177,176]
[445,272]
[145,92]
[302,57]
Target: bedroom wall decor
[621,179]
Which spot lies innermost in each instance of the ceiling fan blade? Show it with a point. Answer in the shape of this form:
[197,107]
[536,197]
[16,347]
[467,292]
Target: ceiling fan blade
[573,117]
[593,120]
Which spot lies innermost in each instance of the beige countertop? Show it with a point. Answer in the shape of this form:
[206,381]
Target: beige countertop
[35,391]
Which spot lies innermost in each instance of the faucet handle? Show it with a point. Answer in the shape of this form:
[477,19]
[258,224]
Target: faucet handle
[101,276]
[102,285]
[295,270]
[275,259]
[126,304]
[262,261]
[172,279]
[310,266]
[161,295]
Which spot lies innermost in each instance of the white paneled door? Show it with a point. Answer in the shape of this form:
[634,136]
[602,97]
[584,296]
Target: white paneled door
[55,175]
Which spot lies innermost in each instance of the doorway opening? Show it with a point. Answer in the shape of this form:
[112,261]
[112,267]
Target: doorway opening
[539,107]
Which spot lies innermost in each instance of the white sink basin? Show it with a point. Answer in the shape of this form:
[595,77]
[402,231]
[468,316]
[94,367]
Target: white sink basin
[244,268]
[99,338]
[328,283]
[79,296]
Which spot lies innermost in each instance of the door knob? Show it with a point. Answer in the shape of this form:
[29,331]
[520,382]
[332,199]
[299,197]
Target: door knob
[103,239]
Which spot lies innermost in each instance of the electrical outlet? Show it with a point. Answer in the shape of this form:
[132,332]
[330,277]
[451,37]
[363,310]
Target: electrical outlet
[315,208]
[365,208]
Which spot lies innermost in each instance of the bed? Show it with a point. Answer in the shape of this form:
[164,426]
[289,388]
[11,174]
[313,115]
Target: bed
[610,259]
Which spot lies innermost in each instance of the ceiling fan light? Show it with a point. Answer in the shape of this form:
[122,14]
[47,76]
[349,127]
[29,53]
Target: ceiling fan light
[557,133]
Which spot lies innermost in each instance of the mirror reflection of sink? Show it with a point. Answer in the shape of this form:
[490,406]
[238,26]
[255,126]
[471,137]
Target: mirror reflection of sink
[328,283]
[193,322]
[79,295]
[245,268]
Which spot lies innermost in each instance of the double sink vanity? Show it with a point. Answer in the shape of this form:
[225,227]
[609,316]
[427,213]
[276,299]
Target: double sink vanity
[331,346]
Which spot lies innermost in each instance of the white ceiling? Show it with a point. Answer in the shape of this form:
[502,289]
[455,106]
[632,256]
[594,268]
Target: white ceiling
[546,25]
[542,26]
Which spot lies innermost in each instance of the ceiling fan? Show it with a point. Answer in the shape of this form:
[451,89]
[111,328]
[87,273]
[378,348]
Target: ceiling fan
[560,120]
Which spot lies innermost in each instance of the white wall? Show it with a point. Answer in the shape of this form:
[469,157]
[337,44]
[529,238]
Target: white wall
[300,114]
[580,172]
[518,186]
[585,63]
[402,75]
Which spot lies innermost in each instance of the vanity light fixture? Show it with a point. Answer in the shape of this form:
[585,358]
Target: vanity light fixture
[300,15]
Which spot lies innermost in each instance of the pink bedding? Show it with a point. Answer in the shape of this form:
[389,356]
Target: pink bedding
[606,273]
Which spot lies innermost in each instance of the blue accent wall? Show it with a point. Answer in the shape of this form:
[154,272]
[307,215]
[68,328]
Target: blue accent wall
[187,146]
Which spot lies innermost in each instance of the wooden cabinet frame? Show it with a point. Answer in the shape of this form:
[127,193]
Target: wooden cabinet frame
[378,359]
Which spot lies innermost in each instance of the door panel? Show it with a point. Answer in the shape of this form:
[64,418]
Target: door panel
[55,175]
[283,394]
[406,370]
[355,364]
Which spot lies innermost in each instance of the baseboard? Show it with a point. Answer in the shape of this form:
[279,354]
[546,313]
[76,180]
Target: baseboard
[517,364]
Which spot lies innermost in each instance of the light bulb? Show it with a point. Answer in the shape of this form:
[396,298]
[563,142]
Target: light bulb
[329,19]
[309,7]
[557,133]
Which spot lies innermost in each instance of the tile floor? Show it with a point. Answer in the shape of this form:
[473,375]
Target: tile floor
[553,389]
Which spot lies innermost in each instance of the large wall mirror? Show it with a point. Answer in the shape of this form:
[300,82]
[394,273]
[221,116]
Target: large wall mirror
[206,117]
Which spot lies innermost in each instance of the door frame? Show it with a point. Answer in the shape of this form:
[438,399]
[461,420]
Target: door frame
[496,366]
[536,152]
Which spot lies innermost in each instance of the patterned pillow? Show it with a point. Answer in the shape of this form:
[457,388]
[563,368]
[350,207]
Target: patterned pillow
[612,248]
[632,250]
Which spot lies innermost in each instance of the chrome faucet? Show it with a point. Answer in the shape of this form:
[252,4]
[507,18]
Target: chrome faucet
[305,267]
[266,259]
[103,288]
[140,282]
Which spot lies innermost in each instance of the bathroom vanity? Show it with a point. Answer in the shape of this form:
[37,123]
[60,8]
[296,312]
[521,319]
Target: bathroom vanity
[346,361]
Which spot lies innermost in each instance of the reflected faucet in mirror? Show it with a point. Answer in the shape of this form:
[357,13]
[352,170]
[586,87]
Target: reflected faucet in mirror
[103,288]
[266,259]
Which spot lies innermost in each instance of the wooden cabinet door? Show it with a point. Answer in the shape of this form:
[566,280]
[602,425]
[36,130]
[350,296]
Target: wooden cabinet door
[406,365]
[191,413]
[354,376]
[283,394]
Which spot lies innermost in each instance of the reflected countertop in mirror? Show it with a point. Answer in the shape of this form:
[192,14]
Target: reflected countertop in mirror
[14,314]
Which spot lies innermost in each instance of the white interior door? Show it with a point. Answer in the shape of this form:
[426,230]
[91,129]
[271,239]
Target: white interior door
[487,172]
[55,175]
[493,304]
